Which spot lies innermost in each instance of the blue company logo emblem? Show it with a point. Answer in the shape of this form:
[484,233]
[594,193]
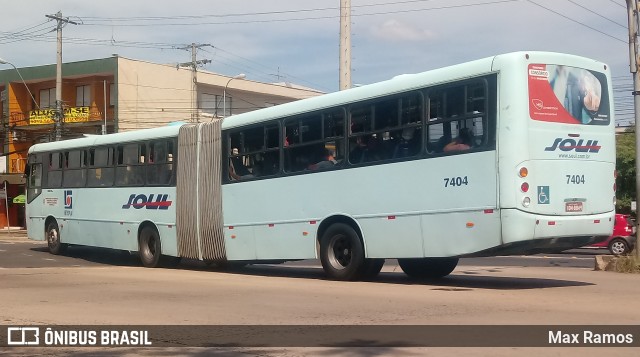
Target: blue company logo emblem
[68,199]
[570,144]
[152,201]
[543,195]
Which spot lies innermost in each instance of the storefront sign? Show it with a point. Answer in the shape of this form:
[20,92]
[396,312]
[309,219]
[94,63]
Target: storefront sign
[71,115]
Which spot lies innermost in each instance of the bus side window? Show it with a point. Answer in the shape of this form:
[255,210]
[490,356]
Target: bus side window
[128,171]
[54,174]
[101,171]
[34,174]
[159,169]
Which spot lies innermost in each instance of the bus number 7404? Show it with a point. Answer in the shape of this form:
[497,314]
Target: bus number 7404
[455,181]
[575,179]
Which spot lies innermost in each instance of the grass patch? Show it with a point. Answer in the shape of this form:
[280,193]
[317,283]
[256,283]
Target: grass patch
[627,264]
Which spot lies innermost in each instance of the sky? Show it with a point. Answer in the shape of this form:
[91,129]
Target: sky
[298,41]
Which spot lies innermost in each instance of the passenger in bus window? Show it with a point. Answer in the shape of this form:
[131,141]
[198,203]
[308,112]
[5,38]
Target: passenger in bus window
[327,161]
[406,144]
[367,149]
[360,152]
[462,142]
[238,171]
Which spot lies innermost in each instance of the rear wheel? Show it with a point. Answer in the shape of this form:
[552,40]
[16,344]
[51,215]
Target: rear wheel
[149,247]
[431,268]
[618,246]
[342,253]
[371,268]
[53,239]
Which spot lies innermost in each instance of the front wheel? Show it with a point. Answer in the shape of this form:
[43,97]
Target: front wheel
[342,253]
[56,247]
[618,246]
[431,268]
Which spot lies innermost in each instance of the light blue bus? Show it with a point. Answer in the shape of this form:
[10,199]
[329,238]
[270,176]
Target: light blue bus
[512,154]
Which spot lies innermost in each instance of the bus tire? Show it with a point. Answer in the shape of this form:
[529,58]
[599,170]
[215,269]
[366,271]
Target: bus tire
[342,253]
[56,247]
[372,268]
[430,268]
[149,247]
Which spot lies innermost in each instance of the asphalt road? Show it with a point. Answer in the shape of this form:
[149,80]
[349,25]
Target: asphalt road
[90,286]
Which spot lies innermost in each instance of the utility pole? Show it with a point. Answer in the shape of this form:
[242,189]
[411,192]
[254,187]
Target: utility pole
[59,114]
[345,44]
[195,117]
[632,12]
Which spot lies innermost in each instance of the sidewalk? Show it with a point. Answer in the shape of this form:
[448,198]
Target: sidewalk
[14,233]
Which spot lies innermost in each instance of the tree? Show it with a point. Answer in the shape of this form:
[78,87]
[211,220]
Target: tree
[626,167]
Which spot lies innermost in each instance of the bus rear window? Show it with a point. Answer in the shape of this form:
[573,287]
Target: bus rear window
[570,95]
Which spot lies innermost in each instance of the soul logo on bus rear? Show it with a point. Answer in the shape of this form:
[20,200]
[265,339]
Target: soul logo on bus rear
[153,201]
[570,144]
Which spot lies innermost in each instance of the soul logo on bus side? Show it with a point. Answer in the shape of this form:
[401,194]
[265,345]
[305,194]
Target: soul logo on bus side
[152,201]
[569,144]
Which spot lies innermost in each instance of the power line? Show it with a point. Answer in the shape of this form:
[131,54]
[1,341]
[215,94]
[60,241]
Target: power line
[576,21]
[597,14]
[618,4]
[309,18]
[180,17]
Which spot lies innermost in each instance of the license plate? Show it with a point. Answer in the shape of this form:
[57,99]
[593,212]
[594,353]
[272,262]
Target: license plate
[573,207]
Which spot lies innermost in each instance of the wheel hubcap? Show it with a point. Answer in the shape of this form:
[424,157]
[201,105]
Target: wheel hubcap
[52,237]
[617,248]
[341,249]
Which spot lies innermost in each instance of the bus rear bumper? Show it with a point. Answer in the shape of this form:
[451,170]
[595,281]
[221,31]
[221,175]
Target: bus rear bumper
[526,233]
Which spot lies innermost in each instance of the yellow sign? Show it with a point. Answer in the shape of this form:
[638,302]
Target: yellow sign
[71,115]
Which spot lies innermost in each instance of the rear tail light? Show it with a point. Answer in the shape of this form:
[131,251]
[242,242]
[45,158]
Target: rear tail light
[524,172]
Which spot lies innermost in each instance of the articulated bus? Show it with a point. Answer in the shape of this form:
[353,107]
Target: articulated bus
[512,154]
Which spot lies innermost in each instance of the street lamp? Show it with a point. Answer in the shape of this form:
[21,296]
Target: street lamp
[22,79]
[224,93]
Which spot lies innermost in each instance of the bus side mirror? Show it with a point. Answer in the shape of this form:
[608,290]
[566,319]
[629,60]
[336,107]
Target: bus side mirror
[27,170]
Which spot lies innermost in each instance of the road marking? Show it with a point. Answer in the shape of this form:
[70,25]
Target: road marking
[49,259]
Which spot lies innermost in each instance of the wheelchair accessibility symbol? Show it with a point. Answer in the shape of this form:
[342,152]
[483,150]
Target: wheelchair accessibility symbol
[543,195]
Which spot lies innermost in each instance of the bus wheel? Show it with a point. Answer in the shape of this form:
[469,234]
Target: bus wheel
[371,268]
[149,247]
[53,239]
[341,253]
[432,268]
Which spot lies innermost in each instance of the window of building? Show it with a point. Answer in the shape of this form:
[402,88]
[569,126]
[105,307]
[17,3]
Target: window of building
[112,95]
[83,96]
[48,98]
[209,104]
